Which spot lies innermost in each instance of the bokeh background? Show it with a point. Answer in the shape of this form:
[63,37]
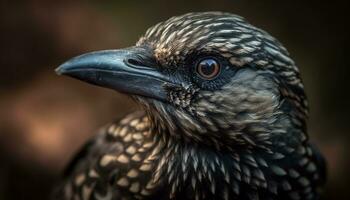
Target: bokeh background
[44,119]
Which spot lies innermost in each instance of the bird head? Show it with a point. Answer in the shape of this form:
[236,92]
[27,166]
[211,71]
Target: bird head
[209,77]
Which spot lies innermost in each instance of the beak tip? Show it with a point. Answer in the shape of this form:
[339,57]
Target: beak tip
[62,69]
[59,71]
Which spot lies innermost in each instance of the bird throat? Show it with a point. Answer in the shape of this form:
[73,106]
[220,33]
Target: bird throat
[190,167]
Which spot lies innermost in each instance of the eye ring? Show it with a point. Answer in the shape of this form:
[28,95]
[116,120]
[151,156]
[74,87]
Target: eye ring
[208,68]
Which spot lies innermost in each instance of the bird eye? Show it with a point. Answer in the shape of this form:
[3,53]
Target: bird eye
[208,68]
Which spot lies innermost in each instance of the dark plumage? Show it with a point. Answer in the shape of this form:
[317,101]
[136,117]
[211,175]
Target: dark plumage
[224,117]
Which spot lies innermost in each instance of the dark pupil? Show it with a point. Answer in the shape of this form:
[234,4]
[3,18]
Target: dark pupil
[208,67]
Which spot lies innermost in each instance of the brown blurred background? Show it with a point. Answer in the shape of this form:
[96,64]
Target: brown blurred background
[44,118]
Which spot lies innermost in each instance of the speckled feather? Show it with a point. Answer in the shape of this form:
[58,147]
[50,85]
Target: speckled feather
[243,140]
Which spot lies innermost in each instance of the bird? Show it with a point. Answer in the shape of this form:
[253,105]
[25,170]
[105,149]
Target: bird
[223,116]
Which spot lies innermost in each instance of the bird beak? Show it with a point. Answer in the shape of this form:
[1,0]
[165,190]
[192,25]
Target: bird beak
[123,70]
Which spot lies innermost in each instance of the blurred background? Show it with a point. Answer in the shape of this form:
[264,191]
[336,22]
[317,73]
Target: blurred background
[44,119]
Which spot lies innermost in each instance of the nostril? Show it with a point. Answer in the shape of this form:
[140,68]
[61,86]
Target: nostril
[134,62]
